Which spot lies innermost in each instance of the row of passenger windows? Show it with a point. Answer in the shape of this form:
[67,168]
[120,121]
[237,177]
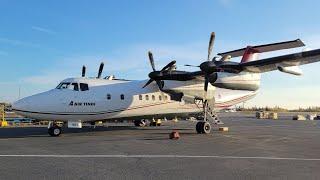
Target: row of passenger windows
[146,97]
[121,96]
[73,86]
[153,97]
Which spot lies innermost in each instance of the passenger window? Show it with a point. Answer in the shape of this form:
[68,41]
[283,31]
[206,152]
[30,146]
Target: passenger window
[147,97]
[75,86]
[122,97]
[165,98]
[160,98]
[108,96]
[153,98]
[84,87]
[140,97]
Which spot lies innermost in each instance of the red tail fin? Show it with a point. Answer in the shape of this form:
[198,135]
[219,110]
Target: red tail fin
[250,54]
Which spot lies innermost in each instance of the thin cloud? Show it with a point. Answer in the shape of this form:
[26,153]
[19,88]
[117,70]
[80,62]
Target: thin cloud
[42,29]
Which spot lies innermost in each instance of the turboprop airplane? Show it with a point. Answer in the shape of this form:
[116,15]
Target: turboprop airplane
[218,84]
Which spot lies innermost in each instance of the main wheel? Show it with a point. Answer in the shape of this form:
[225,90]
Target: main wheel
[203,127]
[206,128]
[54,131]
[140,123]
[198,127]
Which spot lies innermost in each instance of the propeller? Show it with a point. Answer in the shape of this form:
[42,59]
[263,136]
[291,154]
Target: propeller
[156,75]
[208,67]
[83,71]
[100,70]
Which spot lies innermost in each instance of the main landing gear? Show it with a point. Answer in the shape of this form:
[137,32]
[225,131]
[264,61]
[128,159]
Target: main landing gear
[54,129]
[204,127]
[140,123]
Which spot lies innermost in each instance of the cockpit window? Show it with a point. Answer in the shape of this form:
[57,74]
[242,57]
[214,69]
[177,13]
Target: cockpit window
[63,85]
[84,87]
[75,86]
[66,85]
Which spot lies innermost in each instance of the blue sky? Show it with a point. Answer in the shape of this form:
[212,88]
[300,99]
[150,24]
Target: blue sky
[42,42]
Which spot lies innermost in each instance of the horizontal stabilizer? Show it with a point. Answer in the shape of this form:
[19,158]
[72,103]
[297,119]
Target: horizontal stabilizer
[282,63]
[266,48]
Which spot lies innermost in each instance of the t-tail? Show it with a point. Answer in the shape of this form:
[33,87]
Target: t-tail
[251,53]
[248,80]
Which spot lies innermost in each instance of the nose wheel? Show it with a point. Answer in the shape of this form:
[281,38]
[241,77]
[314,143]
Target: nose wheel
[54,130]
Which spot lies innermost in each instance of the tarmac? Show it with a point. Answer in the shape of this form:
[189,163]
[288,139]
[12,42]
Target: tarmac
[252,149]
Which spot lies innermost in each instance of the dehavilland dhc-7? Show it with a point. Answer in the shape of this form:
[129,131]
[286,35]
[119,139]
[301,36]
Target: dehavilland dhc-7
[219,83]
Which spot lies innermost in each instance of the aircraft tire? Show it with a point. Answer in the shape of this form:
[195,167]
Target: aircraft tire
[54,131]
[206,129]
[198,127]
[203,127]
[140,123]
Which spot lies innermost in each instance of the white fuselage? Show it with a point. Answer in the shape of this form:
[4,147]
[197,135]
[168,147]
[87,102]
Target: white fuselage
[114,99]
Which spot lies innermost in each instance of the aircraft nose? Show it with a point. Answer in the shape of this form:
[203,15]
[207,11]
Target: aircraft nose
[20,104]
[35,103]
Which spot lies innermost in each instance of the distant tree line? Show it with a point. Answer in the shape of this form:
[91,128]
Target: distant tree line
[278,109]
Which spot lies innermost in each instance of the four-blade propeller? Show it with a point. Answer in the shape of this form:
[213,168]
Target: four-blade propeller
[157,75]
[210,66]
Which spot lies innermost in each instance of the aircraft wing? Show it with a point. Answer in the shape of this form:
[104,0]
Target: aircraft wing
[280,62]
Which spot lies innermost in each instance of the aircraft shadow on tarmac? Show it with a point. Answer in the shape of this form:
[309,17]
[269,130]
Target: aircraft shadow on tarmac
[22,132]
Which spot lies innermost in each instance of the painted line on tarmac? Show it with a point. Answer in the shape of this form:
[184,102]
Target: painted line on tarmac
[156,156]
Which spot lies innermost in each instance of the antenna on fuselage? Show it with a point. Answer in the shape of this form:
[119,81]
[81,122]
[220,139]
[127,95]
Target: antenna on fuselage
[100,70]
[83,71]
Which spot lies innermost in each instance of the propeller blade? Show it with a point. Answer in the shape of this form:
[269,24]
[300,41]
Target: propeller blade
[159,83]
[206,83]
[151,60]
[149,82]
[100,70]
[211,42]
[168,65]
[83,71]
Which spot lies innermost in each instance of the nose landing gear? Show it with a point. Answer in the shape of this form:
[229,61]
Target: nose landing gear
[54,129]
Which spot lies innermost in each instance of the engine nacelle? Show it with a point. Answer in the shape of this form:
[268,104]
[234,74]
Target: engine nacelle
[294,70]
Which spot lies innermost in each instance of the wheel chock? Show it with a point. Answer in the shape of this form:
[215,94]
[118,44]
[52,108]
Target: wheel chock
[174,135]
[224,129]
